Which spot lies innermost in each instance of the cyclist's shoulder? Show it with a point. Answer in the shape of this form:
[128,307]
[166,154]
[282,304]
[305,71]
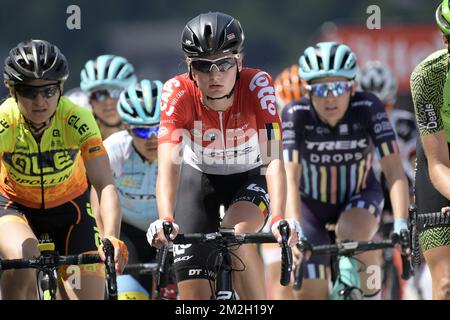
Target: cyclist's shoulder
[9,108]
[120,140]
[119,148]
[253,78]
[363,101]
[78,122]
[67,107]
[178,90]
[9,117]
[178,83]
[432,68]
[300,106]
[79,97]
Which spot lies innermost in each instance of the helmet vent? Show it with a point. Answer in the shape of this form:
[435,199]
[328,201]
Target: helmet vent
[209,36]
[333,57]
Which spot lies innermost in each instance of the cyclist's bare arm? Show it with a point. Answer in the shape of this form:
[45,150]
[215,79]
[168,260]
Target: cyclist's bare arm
[272,157]
[397,183]
[95,206]
[167,182]
[436,151]
[99,174]
[293,201]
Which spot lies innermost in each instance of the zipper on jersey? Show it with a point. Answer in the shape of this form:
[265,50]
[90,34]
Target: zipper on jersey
[223,134]
[42,175]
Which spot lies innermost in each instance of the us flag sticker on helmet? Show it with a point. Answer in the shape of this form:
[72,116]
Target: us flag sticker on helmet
[231,36]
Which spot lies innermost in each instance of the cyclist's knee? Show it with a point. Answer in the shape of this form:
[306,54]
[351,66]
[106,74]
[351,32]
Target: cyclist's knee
[17,250]
[313,289]
[197,289]
[244,217]
[356,225]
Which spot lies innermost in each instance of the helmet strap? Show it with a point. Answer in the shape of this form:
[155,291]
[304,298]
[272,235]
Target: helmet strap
[38,130]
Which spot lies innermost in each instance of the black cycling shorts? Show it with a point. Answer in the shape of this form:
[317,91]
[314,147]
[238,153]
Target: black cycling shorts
[71,226]
[428,199]
[197,210]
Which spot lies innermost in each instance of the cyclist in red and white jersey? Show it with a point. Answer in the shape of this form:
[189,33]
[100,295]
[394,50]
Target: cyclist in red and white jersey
[224,118]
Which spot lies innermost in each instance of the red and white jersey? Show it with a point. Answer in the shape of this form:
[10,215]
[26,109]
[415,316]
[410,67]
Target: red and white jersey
[220,142]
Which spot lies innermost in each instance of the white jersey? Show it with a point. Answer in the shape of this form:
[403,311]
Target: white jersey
[135,180]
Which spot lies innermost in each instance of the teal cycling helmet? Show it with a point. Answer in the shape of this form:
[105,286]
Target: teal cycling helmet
[443,17]
[139,104]
[327,59]
[107,71]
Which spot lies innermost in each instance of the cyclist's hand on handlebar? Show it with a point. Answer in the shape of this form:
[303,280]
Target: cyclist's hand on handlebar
[295,232]
[445,209]
[155,233]
[298,255]
[400,225]
[120,253]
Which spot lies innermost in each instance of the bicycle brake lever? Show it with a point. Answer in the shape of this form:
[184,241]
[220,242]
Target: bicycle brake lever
[168,228]
[108,248]
[286,254]
[405,245]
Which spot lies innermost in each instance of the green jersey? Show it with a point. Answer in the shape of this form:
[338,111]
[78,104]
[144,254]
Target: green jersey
[430,89]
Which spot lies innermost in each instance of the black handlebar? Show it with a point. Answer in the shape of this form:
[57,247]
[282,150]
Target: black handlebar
[228,237]
[351,248]
[405,244]
[45,261]
[163,257]
[51,260]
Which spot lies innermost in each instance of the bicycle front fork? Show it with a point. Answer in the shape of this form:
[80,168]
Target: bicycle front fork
[224,282]
[347,285]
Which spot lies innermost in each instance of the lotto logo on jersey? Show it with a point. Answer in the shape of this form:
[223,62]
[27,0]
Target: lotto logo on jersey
[266,92]
[167,94]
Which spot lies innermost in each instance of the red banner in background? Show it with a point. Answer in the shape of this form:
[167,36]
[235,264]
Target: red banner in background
[401,47]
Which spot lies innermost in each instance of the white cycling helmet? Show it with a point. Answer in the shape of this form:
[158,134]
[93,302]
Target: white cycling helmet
[79,97]
[377,78]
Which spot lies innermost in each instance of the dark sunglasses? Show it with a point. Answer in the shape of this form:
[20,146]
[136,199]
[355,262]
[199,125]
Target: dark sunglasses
[31,92]
[101,95]
[337,88]
[205,65]
[145,132]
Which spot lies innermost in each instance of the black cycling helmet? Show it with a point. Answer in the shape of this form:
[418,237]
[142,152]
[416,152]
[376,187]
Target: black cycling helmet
[212,33]
[35,59]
